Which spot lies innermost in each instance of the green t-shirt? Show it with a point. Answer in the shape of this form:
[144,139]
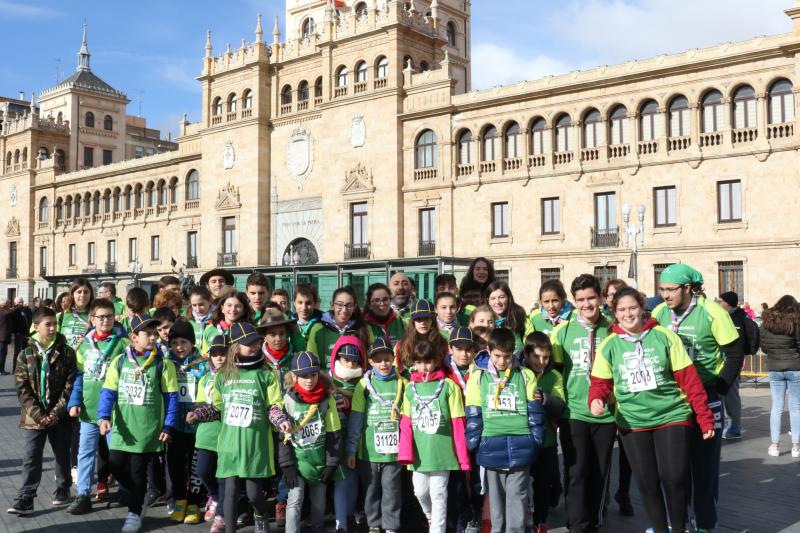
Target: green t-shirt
[73,325]
[571,349]
[94,358]
[551,383]
[707,327]
[203,335]
[434,447]
[393,331]
[537,322]
[645,389]
[504,410]
[309,440]
[381,434]
[120,309]
[207,433]
[299,337]
[138,415]
[245,446]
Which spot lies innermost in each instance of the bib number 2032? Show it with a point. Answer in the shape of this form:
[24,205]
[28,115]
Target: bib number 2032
[239,415]
[134,393]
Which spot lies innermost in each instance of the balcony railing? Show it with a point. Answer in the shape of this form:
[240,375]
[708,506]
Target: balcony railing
[424,174]
[780,131]
[11,273]
[231,116]
[465,169]
[562,158]
[381,83]
[302,105]
[648,147]
[487,167]
[317,101]
[191,204]
[711,138]
[339,92]
[227,259]
[216,120]
[359,87]
[286,108]
[247,113]
[191,261]
[111,267]
[537,161]
[512,163]
[427,248]
[745,135]
[618,150]
[356,251]
[590,154]
[677,144]
[605,238]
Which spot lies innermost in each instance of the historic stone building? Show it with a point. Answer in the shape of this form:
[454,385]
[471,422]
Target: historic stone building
[357,137]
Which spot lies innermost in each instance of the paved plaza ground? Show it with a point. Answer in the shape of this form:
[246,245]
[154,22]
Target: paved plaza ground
[759,494]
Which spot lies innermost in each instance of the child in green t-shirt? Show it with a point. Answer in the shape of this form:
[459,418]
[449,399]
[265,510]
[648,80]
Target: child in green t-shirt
[446,306]
[137,302]
[140,398]
[310,452]
[165,318]
[373,434]
[200,317]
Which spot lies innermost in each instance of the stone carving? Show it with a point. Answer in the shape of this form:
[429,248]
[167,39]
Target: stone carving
[300,155]
[12,229]
[228,198]
[228,155]
[358,132]
[12,196]
[358,180]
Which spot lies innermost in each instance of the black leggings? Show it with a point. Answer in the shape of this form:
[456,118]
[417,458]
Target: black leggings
[255,493]
[180,455]
[130,469]
[660,458]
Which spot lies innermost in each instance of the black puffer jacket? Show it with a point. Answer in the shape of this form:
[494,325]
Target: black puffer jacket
[783,351]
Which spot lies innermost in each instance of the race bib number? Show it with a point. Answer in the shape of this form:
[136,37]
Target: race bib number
[584,361]
[239,415]
[94,367]
[134,393]
[505,402]
[387,442]
[74,341]
[428,421]
[640,379]
[309,434]
[186,387]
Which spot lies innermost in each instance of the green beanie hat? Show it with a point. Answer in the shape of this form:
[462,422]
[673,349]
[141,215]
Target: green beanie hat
[681,274]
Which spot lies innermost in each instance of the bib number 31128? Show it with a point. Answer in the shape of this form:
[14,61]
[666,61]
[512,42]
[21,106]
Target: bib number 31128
[387,442]
[239,415]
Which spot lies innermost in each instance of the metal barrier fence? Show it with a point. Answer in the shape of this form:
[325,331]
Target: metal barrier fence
[755,368]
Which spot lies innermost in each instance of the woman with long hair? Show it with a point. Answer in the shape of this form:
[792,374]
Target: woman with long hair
[73,321]
[554,308]
[480,272]
[382,319]
[343,318]
[234,307]
[780,341]
[510,315]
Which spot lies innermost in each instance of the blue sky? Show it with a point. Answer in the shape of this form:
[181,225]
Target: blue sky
[155,48]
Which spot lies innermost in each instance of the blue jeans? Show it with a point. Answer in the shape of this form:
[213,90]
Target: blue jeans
[779,383]
[87,454]
[345,492]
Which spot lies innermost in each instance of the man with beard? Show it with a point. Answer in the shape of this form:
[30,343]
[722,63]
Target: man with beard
[402,295]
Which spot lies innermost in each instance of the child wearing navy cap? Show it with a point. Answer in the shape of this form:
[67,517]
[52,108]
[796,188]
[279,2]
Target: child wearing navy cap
[373,434]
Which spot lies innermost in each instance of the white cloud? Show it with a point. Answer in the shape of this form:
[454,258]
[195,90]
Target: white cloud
[493,64]
[16,9]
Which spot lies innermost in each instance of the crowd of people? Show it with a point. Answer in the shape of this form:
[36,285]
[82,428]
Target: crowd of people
[393,410]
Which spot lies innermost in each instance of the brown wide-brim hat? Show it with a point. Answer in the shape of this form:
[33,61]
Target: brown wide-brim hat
[216,272]
[271,318]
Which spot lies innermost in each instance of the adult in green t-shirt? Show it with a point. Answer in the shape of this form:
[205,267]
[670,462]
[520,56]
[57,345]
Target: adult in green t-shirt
[586,440]
[383,321]
[73,321]
[713,344]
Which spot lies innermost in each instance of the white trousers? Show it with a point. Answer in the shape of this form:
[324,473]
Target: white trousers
[430,488]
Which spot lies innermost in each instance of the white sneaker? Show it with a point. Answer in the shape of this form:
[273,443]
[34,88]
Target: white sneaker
[74,473]
[133,523]
[774,450]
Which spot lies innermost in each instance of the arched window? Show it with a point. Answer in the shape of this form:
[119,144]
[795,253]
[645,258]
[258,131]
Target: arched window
[679,120]
[465,148]
[426,150]
[648,121]
[318,88]
[619,125]
[163,198]
[59,209]
[107,201]
[89,119]
[563,136]
[139,196]
[77,206]
[451,34]
[193,185]
[129,198]
[44,214]
[95,210]
[361,9]
[302,91]
[713,111]
[108,123]
[152,194]
[115,205]
[232,103]
[538,128]
[424,67]
[69,208]
[247,99]
[173,190]
[489,144]
[307,28]
[341,76]
[361,71]
[744,108]
[16,156]
[408,63]
[43,152]
[512,141]
[87,204]
[217,107]
[591,129]
[60,158]
[25,154]
[781,102]
[382,70]
[8,158]
[286,95]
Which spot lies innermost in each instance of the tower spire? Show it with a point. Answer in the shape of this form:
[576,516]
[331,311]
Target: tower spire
[208,44]
[276,31]
[259,30]
[83,55]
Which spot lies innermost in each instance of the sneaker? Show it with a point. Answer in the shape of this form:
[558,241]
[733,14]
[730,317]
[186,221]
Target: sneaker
[80,505]
[280,514]
[374,530]
[795,451]
[102,491]
[61,497]
[170,507]
[472,527]
[178,514]
[211,510]
[731,434]
[774,450]
[22,506]
[650,530]
[154,499]
[218,525]
[260,524]
[74,473]
[192,515]
[244,519]
[133,523]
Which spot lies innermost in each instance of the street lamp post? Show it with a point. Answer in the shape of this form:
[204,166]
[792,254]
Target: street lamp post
[634,236]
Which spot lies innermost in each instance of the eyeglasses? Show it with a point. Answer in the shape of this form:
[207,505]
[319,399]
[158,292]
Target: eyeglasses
[340,305]
[669,290]
[101,318]
[379,301]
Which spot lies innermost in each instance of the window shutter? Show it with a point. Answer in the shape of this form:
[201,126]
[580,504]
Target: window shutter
[752,113]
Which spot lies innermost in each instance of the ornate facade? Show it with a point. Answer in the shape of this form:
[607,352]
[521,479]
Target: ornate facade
[357,136]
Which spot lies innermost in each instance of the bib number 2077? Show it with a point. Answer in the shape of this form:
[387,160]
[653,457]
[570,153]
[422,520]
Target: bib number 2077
[239,415]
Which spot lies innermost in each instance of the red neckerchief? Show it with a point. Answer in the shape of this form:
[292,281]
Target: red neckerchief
[277,354]
[224,325]
[422,377]
[315,395]
[650,324]
[101,336]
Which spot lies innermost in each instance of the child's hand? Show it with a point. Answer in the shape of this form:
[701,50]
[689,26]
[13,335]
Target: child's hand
[105,427]
[285,426]
[75,412]
[597,407]
[46,421]
[538,395]
[191,418]
[351,462]
[708,434]
[164,437]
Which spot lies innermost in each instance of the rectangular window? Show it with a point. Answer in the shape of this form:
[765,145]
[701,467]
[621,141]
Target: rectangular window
[88,156]
[648,125]
[657,270]
[191,249]
[551,216]
[111,251]
[731,277]
[73,254]
[43,260]
[12,255]
[229,235]
[729,201]
[605,273]
[150,151]
[359,223]
[502,275]
[679,123]
[427,226]
[91,253]
[155,248]
[605,212]
[139,152]
[664,206]
[133,249]
[107,157]
[500,219]
[550,273]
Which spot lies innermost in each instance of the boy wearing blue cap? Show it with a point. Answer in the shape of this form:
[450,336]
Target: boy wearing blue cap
[373,433]
[309,453]
[140,398]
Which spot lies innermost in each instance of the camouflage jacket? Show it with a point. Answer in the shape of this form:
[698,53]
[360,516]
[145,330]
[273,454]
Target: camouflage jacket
[60,378]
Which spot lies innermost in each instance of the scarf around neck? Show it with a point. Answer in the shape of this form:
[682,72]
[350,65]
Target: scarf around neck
[313,396]
[677,320]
